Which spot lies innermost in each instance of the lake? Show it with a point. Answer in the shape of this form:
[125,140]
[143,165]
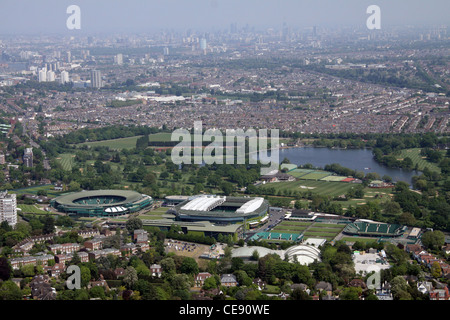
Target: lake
[355,159]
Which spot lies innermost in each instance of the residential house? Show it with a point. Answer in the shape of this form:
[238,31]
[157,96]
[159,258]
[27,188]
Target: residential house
[58,186]
[128,249]
[383,292]
[425,287]
[94,255]
[17,263]
[41,288]
[55,270]
[99,283]
[358,283]
[94,244]
[64,248]
[88,233]
[119,272]
[228,280]
[324,286]
[200,278]
[140,236]
[260,283]
[440,294]
[277,177]
[300,286]
[156,270]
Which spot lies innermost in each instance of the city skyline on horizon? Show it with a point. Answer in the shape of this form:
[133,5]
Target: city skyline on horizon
[50,16]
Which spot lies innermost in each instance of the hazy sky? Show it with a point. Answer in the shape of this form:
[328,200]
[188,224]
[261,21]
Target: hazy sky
[49,16]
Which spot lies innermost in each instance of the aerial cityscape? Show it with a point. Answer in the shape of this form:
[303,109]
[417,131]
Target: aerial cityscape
[114,128]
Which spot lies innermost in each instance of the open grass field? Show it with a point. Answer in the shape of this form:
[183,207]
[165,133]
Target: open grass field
[316,175]
[415,156]
[34,190]
[67,160]
[154,214]
[300,172]
[322,187]
[310,229]
[287,227]
[29,208]
[360,239]
[324,230]
[333,178]
[115,144]
[128,142]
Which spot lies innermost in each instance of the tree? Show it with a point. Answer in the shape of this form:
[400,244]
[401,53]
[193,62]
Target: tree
[49,225]
[436,270]
[74,186]
[399,288]
[133,224]
[168,266]
[180,281]
[189,266]
[350,293]
[85,275]
[433,239]
[227,187]
[130,277]
[299,294]
[391,208]
[149,179]
[97,292]
[5,269]
[10,291]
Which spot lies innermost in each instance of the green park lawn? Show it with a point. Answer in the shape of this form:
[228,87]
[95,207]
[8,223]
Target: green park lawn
[418,159]
[329,188]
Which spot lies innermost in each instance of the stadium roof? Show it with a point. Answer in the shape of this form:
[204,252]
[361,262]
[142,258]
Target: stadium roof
[250,206]
[204,203]
[127,195]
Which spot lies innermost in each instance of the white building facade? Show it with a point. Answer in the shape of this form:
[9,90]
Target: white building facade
[8,208]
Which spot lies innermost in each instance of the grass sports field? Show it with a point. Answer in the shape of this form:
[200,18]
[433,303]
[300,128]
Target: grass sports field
[49,188]
[316,175]
[415,156]
[128,142]
[154,214]
[67,160]
[322,187]
[327,231]
[28,208]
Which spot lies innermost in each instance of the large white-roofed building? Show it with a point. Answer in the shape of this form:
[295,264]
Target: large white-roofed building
[303,254]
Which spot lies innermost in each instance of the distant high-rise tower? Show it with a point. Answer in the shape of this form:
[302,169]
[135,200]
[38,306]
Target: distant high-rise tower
[96,79]
[69,56]
[233,28]
[42,75]
[203,43]
[50,75]
[64,77]
[119,59]
[28,157]
[8,208]
[166,51]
